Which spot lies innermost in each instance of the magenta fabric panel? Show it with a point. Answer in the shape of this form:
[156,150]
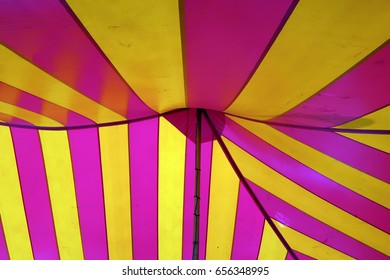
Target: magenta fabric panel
[309,179]
[204,196]
[30,102]
[189,193]
[185,121]
[75,119]
[355,154]
[58,45]
[206,161]
[300,221]
[223,42]
[85,152]
[3,244]
[144,188]
[35,193]
[249,228]
[358,92]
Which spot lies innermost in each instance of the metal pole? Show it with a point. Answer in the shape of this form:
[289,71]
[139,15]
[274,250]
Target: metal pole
[195,251]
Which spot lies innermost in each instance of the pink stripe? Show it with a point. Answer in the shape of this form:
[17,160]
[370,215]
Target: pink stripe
[3,244]
[355,94]
[355,154]
[184,121]
[60,47]
[300,221]
[311,180]
[204,200]
[84,145]
[75,119]
[144,191]
[189,193]
[35,193]
[206,158]
[224,40]
[30,102]
[249,228]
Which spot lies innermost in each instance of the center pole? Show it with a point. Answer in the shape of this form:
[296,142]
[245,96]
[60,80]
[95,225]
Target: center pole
[195,250]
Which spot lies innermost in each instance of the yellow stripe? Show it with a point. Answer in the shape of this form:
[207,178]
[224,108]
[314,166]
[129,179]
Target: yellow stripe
[171,164]
[357,181]
[142,39]
[222,210]
[26,115]
[25,76]
[320,41]
[304,200]
[376,120]
[59,172]
[380,142]
[11,202]
[271,248]
[114,147]
[309,246]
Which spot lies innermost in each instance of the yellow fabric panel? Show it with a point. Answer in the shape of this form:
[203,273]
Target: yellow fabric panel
[26,115]
[224,187]
[271,248]
[114,148]
[142,39]
[59,172]
[357,181]
[309,246]
[12,212]
[171,165]
[307,202]
[320,41]
[378,141]
[25,76]
[376,120]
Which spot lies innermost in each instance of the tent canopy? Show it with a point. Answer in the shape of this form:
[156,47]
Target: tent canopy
[249,129]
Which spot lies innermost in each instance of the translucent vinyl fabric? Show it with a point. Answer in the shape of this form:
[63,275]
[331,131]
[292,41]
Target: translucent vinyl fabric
[110,110]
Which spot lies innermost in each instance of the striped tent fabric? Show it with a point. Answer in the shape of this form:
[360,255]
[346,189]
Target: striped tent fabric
[194,129]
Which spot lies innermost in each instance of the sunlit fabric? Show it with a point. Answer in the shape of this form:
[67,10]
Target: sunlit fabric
[194,129]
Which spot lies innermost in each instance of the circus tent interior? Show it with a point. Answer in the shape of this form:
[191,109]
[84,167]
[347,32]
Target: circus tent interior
[194,129]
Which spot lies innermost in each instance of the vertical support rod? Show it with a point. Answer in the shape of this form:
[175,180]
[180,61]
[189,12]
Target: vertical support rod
[195,250]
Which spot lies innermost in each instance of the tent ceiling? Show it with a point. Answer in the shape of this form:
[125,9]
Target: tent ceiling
[298,103]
